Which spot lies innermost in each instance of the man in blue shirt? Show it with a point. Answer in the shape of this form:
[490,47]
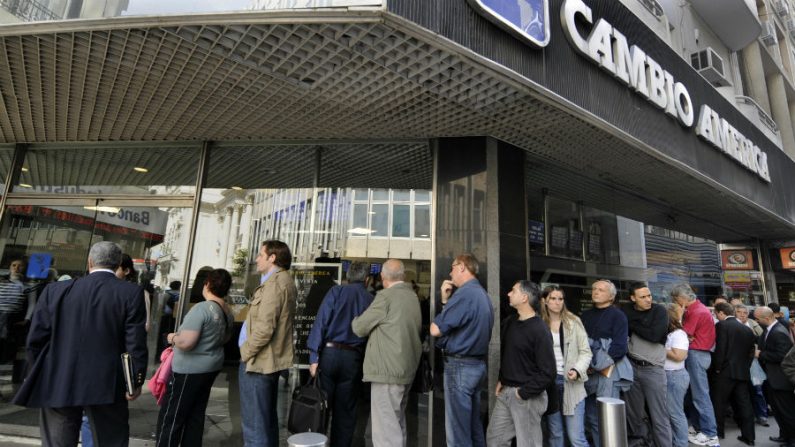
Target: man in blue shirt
[338,351]
[464,330]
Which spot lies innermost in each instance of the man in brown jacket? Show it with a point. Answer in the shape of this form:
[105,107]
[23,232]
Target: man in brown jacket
[266,345]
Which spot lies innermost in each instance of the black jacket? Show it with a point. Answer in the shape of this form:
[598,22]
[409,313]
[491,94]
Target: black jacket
[774,349]
[77,335]
[734,349]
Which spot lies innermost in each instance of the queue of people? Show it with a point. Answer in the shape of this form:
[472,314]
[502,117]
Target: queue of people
[553,364]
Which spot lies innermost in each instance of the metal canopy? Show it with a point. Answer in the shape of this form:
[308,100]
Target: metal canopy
[329,77]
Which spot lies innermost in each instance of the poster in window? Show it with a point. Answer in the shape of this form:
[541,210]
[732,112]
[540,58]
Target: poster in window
[535,232]
[575,241]
[560,235]
[313,281]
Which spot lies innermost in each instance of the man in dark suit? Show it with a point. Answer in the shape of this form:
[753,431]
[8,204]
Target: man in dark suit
[78,332]
[774,344]
[731,362]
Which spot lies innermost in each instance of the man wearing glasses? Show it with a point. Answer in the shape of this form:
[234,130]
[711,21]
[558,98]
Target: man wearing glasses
[464,329]
[606,326]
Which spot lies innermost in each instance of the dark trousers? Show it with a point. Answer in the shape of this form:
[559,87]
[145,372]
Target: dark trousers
[181,418]
[60,427]
[341,378]
[728,390]
[783,403]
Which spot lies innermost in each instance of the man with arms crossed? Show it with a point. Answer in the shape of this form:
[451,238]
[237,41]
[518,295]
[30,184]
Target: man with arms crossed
[464,330]
[393,352]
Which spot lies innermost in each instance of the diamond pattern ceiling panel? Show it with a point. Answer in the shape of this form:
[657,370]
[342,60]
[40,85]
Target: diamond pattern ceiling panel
[304,80]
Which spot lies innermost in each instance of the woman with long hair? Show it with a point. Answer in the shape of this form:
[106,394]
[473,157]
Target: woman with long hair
[572,358]
[198,358]
[676,348]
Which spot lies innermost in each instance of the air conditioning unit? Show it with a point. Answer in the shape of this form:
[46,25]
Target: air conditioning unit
[781,7]
[768,35]
[710,65]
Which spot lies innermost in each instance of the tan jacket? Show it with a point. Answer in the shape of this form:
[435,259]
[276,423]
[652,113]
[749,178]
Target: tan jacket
[269,326]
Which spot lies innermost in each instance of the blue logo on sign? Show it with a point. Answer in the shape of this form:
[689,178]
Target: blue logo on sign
[529,19]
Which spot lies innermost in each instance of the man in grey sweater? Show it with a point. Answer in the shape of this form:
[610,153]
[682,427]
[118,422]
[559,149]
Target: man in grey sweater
[393,352]
[648,329]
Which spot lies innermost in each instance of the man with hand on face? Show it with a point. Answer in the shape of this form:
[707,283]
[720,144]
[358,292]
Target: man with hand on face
[464,330]
[731,363]
[648,332]
[774,344]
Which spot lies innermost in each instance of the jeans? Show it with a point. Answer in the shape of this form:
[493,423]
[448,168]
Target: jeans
[760,404]
[678,382]
[513,416]
[258,395]
[574,424]
[463,379]
[341,378]
[86,437]
[697,364]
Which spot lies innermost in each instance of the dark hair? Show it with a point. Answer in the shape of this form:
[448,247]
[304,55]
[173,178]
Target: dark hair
[127,264]
[726,308]
[282,252]
[175,285]
[774,306]
[219,281]
[533,293]
[635,285]
[357,272]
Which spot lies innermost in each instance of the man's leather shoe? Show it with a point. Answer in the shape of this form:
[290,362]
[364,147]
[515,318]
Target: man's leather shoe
[745,440]
[777,439]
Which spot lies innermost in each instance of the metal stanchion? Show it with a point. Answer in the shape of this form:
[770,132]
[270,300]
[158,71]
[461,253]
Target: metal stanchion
[612,422]
[307,440]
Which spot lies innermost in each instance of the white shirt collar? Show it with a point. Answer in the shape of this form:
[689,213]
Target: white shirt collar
[103,270]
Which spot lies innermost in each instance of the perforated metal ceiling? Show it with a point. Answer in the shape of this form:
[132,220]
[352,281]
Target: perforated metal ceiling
[366,79]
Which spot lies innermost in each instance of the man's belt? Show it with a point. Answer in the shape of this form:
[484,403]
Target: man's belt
[640,362]
[468,357]
[333,345]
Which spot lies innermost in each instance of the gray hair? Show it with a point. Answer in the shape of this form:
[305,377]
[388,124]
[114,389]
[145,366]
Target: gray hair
[740,307]
[358,271]
[533,293]
[393,270]
[683,290]
[105,254]
[610,286]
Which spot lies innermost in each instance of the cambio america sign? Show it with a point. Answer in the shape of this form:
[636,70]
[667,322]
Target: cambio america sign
[630,65]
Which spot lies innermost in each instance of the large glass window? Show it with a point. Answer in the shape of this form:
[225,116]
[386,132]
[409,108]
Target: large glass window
[564,229]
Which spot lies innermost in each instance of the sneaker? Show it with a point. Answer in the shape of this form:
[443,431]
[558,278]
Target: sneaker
[763,422]
[702,439]
[691,431]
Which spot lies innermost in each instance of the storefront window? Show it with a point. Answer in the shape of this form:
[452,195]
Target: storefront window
[601,236]
[401,220]
[564,230]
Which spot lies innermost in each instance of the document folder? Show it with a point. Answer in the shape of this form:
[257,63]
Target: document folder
[127,367]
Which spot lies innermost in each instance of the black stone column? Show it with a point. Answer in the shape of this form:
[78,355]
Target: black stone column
[480,208]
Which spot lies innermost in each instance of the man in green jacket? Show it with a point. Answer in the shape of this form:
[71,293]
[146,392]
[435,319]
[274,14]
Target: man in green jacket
[393,352]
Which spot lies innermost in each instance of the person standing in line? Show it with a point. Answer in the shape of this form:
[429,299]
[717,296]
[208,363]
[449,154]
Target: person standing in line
[700,329]
[774,345]
[527,368]
[757,375]
[83,327]
[648,332]
[572,359]
[198,358]
[266,345]
[463,330]
[337,353]
[731,365]
[604,322]
[392,323]
[677,379]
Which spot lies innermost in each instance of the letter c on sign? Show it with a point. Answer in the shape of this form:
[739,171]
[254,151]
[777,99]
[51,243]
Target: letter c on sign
[568,14]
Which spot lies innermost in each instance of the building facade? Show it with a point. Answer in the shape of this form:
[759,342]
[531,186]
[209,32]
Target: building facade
[562,140]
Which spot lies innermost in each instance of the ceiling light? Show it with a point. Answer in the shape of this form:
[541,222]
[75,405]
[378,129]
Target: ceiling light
[361,231]
[25,185]
[24,169]
[137,169]
[237,188]
[104,209]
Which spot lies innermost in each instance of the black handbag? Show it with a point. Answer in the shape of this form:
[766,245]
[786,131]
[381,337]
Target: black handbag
[309,410]
[423,379]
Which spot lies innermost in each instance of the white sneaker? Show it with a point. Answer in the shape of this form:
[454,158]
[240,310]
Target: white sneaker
[691,431]
[702,439]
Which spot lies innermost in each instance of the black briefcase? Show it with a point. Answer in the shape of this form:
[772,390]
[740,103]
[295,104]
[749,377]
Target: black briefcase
[309,410]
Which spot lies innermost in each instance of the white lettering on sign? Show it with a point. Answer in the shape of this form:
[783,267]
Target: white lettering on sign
[609,49]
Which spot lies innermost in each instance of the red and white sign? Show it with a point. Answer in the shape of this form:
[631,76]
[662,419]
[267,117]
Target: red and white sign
[737,259]
[788,257]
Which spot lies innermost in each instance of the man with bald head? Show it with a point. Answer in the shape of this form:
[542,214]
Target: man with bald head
[774,344]
[393,352]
